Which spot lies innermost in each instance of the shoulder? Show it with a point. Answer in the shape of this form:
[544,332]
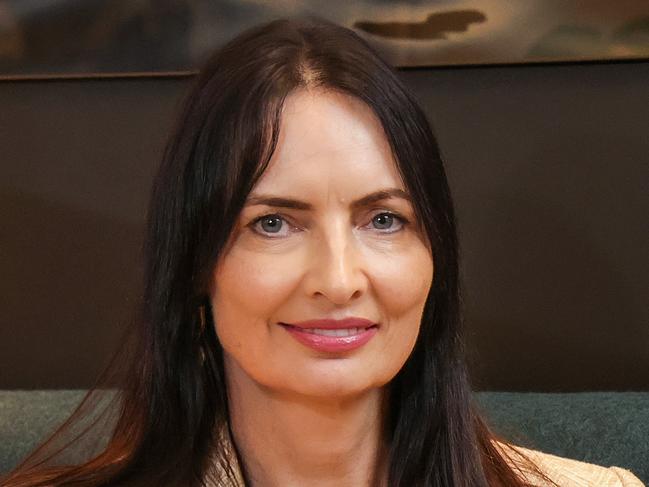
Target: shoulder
[574,473]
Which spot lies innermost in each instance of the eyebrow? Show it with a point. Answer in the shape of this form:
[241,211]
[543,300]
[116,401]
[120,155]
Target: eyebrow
[280,202]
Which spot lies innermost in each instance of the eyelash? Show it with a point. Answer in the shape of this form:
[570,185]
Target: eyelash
[253,223]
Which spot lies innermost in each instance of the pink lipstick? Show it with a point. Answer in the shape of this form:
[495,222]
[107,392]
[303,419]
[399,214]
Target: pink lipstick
[333,335]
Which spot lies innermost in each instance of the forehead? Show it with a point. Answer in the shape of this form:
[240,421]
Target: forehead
[329,142]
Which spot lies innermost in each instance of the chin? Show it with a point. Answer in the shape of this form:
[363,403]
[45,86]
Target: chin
[333,392]
[329,386]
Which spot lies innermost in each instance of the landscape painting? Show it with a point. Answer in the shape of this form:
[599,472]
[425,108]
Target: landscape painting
[59,38]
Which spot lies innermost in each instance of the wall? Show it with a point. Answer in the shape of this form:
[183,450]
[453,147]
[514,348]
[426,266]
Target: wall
[548,164]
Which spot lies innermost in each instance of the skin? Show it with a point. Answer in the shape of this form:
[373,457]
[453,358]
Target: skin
[300,416]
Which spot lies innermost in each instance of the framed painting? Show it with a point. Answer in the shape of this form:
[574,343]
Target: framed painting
[79,38]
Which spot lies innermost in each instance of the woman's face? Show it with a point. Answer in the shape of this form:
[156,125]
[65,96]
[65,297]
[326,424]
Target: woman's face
[329,257]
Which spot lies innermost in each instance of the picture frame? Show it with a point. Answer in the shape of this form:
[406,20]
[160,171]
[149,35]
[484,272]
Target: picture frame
[125,38]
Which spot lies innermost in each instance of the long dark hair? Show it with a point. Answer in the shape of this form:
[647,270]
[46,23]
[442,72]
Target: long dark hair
[167,422]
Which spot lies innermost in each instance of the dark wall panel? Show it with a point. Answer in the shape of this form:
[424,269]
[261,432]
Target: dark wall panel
[550,170]
[77,163]
[548,166]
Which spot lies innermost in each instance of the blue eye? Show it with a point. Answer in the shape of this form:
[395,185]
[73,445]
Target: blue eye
[269,225]
[386,219]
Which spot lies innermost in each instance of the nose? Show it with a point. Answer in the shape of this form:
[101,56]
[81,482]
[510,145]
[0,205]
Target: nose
[337,270]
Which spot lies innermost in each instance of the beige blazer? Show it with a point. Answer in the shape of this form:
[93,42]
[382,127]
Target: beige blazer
[567,472]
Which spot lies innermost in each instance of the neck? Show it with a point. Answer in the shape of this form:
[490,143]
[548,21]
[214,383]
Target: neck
[287,440]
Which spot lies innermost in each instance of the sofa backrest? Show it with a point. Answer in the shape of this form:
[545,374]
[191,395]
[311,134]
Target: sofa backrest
[605,428]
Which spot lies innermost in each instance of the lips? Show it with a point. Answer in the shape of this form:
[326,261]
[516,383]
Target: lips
[328,324]
[333,335]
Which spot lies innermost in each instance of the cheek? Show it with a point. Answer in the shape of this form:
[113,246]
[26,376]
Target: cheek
[403,280]
[402,286]
[248,288]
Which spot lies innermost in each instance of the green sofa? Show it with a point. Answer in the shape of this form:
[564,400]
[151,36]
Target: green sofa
[606,428]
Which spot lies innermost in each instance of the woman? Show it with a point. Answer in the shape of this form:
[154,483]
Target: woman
[300,319]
